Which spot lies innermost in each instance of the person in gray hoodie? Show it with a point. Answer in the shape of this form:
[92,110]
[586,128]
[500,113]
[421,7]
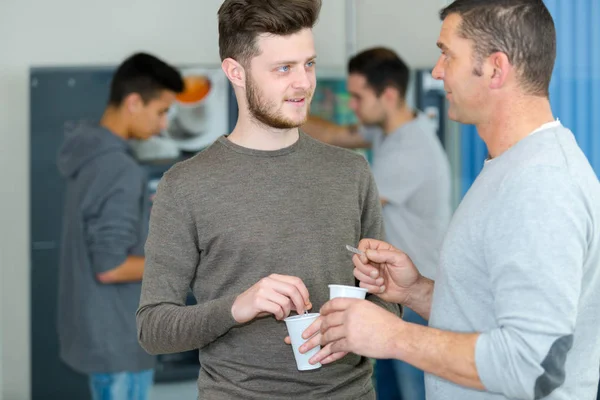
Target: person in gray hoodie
[105,226]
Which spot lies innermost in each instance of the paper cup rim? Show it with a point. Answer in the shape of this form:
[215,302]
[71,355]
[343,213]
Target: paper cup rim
[300,317]
[349,287]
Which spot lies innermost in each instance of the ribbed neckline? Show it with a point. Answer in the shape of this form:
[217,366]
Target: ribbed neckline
[261,153]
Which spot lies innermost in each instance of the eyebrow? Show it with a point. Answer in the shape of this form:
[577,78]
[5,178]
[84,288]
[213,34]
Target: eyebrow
[294,61]
[442,46]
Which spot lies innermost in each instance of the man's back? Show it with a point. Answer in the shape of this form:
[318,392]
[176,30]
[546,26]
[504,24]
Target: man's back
[412,173]
[520,264]
[104,222]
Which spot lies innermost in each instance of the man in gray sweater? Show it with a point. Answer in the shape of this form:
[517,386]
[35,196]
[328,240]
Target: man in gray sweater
[257,223]
[514,312]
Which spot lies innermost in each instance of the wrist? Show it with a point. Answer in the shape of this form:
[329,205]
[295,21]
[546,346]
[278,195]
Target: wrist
[419,298]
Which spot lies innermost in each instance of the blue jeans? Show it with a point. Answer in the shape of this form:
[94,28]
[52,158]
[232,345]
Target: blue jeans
[397,380]
[122,385]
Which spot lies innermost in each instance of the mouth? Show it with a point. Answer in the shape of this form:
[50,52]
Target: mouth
[298,101]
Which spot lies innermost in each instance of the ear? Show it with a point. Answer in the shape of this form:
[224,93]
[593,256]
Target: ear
[234,71]
[133,103]
[500,69]
[391,95]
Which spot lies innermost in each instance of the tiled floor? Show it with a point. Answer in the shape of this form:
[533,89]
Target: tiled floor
[174,391]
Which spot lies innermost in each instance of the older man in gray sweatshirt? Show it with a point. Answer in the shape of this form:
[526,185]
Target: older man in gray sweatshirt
[514,311]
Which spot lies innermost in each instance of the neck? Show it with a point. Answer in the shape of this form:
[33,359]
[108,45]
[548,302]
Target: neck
[512,120]
[398,118]
[113,121]
[255,135]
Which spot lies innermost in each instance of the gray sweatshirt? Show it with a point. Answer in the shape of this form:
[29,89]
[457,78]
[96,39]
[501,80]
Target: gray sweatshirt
[520,265]
[105,220]
[412,173]
[230,216]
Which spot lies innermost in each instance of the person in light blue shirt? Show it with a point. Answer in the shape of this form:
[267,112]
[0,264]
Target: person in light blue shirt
[412,173]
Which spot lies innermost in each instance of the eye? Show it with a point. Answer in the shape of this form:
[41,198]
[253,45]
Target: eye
[311,64]
[284,68]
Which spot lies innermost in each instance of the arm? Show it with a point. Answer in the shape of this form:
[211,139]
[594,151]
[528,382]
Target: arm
[448,355]
[114,229]
[536,244]
[165,323]
[131,270]
[337,135]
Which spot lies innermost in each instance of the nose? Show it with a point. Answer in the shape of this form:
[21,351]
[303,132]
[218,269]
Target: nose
[438,70]
[303,79]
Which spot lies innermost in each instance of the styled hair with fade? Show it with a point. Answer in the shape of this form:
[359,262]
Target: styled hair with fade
[242,21]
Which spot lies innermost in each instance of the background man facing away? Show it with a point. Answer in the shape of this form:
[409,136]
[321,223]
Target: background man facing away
[412,174]
[257,223]
[104,230]
[515,308]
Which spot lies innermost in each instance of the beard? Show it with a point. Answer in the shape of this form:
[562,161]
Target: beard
[266,111]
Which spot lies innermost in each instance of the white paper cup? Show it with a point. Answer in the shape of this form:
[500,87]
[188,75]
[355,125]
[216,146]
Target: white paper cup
[346,291]
[296,325]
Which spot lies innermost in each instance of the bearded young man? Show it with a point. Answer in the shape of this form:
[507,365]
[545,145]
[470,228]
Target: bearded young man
[256,224]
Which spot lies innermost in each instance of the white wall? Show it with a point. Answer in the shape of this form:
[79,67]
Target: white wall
[74,32]
[64,32]
[409,27]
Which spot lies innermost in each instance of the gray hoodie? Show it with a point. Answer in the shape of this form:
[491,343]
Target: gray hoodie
[105,220]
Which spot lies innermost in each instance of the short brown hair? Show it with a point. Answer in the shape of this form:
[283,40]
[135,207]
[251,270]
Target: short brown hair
[522,29]
[241,21]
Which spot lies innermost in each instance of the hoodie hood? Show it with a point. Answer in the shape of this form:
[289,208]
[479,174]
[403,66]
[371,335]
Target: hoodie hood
[85,143]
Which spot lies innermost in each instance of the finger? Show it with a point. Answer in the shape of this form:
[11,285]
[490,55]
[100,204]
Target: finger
[297,282]
[287,340]
[374,244]
[393,257]
[281,300]
[310,344]
[266,305]
[332,335]
[313,328]
[365,267]
[321,354]
[337,304]
[373,288]
[332,320]
[341,346]
[358,274]
[293,292]
[333,357]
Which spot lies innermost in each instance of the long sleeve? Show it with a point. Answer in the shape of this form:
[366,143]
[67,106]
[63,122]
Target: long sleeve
[165,323]
[535,247]
[113,228]
[372,227]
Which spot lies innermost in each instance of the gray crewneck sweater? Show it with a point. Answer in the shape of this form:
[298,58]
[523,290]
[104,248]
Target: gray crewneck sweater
[230,216]
[520,265]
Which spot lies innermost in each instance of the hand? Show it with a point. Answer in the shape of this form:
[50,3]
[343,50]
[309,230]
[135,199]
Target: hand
[275,294]
[385,271]
[360,327]
[325,355]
